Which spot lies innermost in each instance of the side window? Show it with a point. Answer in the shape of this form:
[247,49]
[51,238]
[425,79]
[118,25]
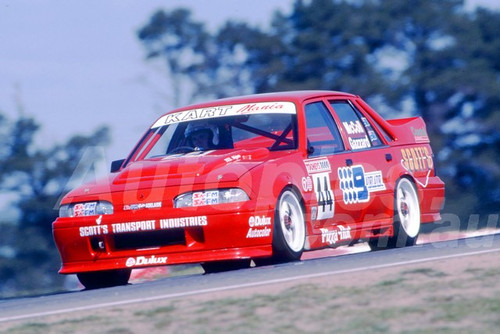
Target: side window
[323,137]
[359,131]
[381,130]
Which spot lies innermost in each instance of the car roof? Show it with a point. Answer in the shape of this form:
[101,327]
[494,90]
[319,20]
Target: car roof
[298,97]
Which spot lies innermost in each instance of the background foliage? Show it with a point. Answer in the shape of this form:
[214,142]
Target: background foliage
[416,57]
[33,179]
[406,58]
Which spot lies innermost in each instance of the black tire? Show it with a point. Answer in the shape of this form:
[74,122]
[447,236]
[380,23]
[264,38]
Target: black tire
[406,218]
[221,266]
[289,233]
[104,279]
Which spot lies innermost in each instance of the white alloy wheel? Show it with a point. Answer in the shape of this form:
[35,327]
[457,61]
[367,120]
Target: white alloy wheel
[408,208]
[291,220]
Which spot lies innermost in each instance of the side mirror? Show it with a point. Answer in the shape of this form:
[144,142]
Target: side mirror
[116,165]
[310,148]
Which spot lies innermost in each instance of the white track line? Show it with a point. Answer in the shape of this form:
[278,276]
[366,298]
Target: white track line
[240,286]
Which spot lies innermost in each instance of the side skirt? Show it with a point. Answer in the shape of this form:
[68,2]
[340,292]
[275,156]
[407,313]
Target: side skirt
[341,235]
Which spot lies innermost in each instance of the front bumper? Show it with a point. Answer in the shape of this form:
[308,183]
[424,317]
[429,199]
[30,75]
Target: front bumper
[162,237]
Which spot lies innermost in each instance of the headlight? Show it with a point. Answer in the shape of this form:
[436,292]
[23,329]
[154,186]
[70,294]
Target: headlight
[86,209]
[210,197]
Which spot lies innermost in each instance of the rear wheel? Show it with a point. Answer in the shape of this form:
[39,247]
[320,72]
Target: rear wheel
[406,218]
[289,233]
[104,279]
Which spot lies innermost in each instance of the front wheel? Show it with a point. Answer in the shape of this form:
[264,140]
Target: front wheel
[406,218]
[289,228]
[104,279]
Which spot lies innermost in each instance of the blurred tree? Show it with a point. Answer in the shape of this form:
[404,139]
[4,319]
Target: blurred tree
[201,65]
[417,57]
[472,125]
[36,178]
[182,44]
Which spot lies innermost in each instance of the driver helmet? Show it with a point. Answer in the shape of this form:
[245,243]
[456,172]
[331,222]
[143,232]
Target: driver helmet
[200,126]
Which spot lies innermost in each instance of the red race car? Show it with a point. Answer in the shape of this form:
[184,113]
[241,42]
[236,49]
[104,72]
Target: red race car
[261,177]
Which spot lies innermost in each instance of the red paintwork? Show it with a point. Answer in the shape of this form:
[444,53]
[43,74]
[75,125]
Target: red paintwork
[262,174]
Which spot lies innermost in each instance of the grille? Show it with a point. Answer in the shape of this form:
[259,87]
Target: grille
[150,239]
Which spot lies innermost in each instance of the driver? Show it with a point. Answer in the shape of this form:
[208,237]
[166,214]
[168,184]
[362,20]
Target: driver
[201,135]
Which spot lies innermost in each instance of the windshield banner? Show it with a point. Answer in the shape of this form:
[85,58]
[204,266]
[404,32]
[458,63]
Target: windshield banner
[225,111]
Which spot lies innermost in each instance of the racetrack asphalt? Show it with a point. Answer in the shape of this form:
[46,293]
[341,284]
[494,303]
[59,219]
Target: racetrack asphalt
[191,285]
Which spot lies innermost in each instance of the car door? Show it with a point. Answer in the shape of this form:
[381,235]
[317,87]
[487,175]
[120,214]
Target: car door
[327,155]
[364,178]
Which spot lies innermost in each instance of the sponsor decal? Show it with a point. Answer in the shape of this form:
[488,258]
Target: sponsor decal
[233,158]
[360,143]
[256,221]
[420,134]
[373,135]
[139,206]
[365,122]
[374,139]
[259,227]
[169,223]
[258,232]
[145,225]
[324,195]
[90,231]
[319,171]
[261,107]
[356,185]
[205,198]
[145,261]
[353,127]
[417,159]
[84,209]
[357,134]
[317,165]
[225,111]
[307,184]
[340,233]
[374,181]
[238,157]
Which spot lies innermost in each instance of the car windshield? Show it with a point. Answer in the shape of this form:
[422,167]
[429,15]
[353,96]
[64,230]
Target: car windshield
[244,126]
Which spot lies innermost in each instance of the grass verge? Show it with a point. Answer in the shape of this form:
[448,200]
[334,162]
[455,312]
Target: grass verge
[452,296]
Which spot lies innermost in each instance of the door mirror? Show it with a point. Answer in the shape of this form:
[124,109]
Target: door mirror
[116,165]
[310,148]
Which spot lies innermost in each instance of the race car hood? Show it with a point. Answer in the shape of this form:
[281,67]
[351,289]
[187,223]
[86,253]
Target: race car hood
[192,168]
[178,170]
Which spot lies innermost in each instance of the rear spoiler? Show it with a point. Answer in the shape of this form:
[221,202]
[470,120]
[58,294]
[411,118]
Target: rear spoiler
[410,130]
[404,131]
